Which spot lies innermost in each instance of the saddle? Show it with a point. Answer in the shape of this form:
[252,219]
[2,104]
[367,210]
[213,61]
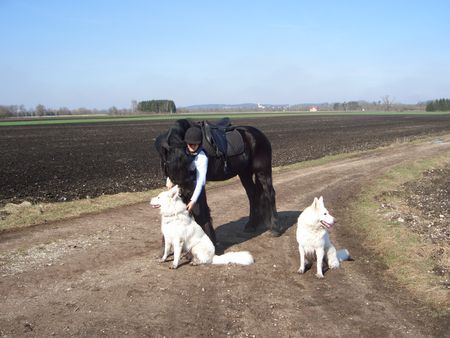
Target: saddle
[221,139]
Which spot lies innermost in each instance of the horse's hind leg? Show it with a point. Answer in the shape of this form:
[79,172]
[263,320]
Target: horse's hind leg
[266,201]
[250,189]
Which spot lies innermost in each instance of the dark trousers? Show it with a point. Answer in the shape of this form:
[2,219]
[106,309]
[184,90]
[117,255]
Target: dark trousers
[202,214]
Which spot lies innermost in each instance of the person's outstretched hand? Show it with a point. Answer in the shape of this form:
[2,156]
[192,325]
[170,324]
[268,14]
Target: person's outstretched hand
[190,206]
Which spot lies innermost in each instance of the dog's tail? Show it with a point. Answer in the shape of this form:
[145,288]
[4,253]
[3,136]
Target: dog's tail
[343,255]
[240,257]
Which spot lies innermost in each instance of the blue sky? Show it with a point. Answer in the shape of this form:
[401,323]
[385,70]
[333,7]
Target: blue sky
[98,54]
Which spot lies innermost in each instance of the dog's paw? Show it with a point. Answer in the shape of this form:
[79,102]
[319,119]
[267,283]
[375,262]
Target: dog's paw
[161,260]
[319,275]
[301,270]
[333,265]
[173,266]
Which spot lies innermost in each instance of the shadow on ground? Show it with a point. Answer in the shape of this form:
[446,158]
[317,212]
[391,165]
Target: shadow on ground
[233,233]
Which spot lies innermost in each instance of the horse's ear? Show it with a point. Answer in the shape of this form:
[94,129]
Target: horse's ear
[184,124]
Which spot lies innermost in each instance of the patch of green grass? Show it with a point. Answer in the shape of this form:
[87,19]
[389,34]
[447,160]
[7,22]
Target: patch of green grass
[26,214]
[195,116]
[316,162]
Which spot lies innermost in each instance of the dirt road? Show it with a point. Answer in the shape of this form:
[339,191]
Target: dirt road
[99,275]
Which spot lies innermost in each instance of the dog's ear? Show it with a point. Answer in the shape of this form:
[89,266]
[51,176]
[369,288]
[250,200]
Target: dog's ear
[315,203]
[321,200]
[173,192]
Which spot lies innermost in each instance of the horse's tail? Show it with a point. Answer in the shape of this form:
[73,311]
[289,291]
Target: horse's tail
[240,257]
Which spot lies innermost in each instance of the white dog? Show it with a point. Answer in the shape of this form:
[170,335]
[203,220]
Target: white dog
[183,234]
[312,238]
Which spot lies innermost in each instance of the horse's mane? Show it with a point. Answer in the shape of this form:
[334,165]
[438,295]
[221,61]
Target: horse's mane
[175,135]
[178,163]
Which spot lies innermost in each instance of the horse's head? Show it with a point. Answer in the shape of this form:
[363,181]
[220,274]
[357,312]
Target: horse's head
[177,166]
[172,151]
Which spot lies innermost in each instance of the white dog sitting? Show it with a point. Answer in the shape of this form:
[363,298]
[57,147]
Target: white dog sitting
[183,234]
[312,238]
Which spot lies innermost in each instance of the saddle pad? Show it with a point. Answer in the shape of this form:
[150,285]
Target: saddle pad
[235,143]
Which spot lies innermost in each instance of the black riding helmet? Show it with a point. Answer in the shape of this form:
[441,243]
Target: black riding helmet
[193,136]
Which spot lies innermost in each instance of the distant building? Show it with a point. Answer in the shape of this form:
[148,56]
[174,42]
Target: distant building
[313,109]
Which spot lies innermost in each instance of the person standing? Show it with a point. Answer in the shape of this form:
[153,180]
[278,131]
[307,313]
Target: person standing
[196,201]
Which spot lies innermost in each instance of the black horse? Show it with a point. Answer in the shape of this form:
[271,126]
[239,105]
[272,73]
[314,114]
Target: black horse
[253,166]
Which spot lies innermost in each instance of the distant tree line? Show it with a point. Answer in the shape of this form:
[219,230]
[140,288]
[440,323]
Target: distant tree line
[438,105]
[157,106]
[385,103]
[41,110]
[348,106]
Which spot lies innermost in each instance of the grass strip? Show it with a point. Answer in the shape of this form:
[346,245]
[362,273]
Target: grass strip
[15,216]
[195,116]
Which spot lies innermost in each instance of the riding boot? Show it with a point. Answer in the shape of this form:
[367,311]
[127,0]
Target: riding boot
[209,231]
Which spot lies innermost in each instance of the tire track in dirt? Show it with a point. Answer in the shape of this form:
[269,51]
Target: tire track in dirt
[104,278]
